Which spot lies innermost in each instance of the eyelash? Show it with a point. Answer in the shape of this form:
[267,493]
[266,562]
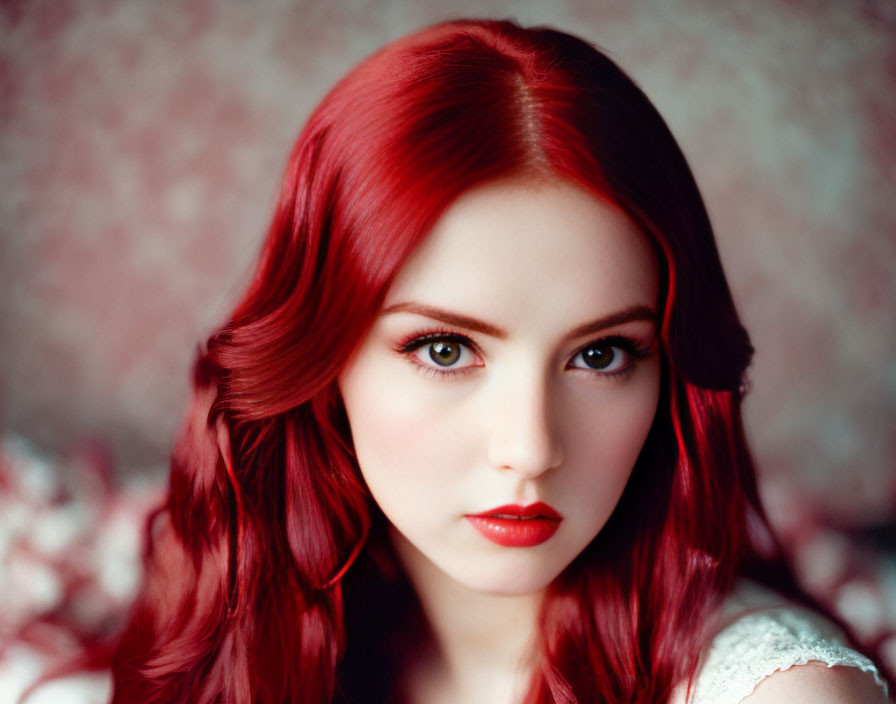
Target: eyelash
[409,345]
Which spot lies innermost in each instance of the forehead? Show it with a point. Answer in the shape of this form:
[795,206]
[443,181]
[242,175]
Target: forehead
[515,247]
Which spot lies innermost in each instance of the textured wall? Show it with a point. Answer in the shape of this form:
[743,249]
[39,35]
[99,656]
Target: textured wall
[141,145]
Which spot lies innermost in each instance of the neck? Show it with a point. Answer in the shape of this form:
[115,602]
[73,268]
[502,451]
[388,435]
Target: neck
[484,643]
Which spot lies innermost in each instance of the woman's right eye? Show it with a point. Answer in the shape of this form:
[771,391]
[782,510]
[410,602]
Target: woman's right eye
[441,354]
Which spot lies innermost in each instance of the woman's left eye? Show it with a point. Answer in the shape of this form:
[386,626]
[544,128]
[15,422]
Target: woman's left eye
[604,356]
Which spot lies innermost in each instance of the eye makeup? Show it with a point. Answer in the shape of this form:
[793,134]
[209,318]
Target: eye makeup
[624,357]
[410,346]
[608,357]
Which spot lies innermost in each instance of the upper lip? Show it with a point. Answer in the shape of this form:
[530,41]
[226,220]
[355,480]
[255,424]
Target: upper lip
[536,510]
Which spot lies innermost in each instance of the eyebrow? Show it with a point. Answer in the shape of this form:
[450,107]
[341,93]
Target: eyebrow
[627,315]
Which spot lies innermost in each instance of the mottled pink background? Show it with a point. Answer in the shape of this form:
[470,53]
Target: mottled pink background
[141,144]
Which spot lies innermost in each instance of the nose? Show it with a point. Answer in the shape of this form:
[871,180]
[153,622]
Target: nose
[522,422]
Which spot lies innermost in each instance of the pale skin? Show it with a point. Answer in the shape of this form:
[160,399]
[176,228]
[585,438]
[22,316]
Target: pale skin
[813,682]
[515,361]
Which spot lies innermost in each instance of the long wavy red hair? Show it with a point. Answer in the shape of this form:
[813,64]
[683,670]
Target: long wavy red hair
[268,577]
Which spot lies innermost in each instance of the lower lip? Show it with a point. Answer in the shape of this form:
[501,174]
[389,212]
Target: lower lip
[513,532]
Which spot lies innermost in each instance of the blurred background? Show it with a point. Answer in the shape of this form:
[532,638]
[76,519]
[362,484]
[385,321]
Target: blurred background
[141,146]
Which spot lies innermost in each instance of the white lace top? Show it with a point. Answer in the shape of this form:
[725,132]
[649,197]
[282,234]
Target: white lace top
[767,635]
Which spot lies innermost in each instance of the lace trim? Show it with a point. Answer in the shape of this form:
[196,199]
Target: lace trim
[761,643]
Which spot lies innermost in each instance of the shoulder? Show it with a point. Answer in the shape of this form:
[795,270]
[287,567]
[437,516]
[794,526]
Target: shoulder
[818,683]
[768,650]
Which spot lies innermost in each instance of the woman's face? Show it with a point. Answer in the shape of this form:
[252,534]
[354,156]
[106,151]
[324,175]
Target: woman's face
[500,401]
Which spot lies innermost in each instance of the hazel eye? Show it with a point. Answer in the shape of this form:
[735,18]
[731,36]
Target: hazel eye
[602,357]
[442,353]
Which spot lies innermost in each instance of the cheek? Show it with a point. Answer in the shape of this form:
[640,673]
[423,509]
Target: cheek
[608,436]
[407,443]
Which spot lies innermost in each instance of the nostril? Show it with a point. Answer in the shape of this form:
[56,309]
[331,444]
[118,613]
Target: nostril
[529,456]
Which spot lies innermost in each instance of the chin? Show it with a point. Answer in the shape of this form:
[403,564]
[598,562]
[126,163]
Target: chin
[509,580]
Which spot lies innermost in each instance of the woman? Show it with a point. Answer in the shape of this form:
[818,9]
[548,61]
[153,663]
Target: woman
[474,432]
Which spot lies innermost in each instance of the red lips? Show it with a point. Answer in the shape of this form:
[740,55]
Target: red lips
[513,525]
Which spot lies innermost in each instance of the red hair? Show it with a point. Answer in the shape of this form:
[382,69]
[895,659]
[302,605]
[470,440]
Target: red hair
[245,598]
